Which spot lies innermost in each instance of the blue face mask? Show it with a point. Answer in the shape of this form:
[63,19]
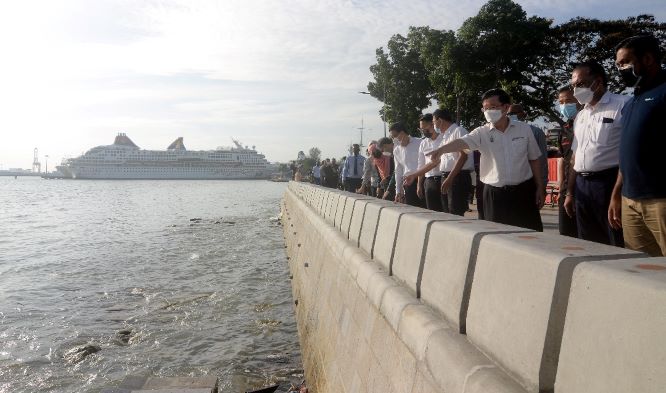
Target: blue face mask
[569,111]
[513,117]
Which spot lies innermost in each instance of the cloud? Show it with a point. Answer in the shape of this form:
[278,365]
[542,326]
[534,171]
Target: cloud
[281,75]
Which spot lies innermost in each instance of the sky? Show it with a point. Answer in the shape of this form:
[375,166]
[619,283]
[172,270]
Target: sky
[283,76]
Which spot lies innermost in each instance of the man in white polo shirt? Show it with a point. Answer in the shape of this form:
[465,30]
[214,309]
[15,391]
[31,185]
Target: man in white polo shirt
[429,182]
[596,154]
[406,158]
[455,167]
[514,190]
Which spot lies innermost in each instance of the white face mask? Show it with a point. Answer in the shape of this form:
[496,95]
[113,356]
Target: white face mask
[493,115]
[584,95]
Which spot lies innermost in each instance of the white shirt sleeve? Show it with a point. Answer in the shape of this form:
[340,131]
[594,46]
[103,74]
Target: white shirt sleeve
[533,151]
[473,139]
[421,161]
[399,170]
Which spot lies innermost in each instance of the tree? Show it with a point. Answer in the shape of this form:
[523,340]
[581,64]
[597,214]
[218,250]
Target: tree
[314,154]
[401,82]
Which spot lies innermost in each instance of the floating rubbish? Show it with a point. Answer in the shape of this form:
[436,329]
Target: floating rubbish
[124,335]
[195,219]
[77,354]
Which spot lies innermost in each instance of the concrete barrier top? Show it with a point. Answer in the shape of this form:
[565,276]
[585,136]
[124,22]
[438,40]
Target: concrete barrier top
[519,298]
[614,338]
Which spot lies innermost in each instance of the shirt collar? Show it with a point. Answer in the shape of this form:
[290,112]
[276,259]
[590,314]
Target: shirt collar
[450,129]
[605,99]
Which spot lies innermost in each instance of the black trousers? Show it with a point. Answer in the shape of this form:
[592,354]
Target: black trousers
[433,191]
[411,197]
[352,184]
[456,200]
[513,205]
[567,225]
[592,198]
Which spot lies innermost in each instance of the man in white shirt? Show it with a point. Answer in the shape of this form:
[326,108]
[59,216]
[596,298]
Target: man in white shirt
[406,159]
[596,154]
[455,167]
[352,172]
[429,182]
[514,190]
[316,173]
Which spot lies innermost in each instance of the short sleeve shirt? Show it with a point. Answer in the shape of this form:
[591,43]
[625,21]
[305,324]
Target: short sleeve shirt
[505,155]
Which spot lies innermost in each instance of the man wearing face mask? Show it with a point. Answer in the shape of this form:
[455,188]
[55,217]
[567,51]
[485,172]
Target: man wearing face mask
[569,107]
[596,157]
[514,190]
[430,182]
[638,203]
[456,167]
[406,158]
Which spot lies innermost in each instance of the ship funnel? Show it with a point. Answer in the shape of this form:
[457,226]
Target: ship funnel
[178,144]
[123,140]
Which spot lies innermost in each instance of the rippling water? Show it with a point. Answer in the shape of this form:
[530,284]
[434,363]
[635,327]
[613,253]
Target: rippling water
[81,261]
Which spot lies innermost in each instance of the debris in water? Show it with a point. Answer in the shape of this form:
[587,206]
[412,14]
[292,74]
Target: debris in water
[78,353]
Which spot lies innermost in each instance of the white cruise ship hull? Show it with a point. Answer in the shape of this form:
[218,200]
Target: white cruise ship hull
[173,173]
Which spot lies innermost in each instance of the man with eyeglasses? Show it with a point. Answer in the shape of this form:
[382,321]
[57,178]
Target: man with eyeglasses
[596,154]
[514,190]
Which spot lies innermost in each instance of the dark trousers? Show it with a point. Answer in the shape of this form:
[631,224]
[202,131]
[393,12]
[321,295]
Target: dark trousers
[432,189]
[567,225]
[352,184]
[592,198]
[478,189]
[411,197]
[513,205]
[456,200]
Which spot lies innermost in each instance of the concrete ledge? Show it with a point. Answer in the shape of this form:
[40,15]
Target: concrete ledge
[370,224]
[411,241]
[387,231]
[340,210]
[519,299]
[358,216]
[449,263]
[613,339]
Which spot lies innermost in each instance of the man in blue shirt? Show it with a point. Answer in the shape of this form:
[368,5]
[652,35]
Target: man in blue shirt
[352,173]
[638,203]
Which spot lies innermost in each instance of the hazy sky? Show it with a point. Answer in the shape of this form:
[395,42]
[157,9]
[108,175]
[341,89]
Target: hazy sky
[281,75]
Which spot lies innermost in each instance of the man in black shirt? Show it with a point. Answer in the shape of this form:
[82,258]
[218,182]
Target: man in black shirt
[638,203]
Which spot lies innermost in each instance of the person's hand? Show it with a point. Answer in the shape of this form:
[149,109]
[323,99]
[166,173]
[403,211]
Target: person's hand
[400,198]
[386,195]
[434,155]
[569,206]
[361,190]
[408,180]
[446,185]
[615,212]
[419,190]
[540,197]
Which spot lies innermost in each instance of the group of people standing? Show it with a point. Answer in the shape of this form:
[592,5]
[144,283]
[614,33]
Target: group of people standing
[612,187]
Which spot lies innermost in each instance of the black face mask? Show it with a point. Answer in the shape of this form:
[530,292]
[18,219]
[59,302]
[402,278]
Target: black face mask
[629,76]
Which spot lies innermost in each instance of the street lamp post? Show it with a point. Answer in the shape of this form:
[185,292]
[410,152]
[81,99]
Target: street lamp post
[383,109]
[47,164]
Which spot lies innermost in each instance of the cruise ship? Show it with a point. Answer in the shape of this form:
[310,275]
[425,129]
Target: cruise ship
[125,160]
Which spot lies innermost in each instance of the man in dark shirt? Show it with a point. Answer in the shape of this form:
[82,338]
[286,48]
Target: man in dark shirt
[638,204]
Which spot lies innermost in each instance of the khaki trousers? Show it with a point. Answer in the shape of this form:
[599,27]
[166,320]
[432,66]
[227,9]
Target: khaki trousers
[644,225]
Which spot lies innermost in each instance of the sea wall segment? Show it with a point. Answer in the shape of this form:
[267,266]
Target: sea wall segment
[391,298]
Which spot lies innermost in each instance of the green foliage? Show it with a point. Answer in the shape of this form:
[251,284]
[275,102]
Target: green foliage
[503,47]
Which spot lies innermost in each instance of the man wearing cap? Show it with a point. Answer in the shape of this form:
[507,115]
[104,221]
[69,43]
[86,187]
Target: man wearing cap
[514,190]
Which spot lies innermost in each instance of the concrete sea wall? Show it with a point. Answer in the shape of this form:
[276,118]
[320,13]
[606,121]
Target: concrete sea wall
[391,298]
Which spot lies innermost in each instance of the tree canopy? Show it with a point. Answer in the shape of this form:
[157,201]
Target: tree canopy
[501,46]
